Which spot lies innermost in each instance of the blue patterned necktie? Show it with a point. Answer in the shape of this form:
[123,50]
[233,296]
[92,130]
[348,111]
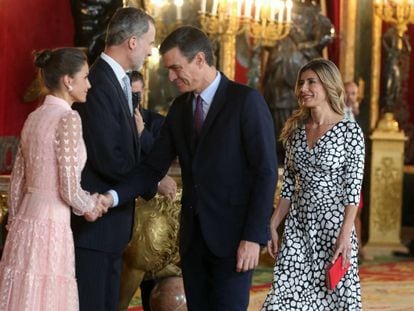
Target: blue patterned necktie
[128,92]
[199,115]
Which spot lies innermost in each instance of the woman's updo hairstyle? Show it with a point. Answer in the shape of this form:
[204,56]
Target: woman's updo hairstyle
[53,64]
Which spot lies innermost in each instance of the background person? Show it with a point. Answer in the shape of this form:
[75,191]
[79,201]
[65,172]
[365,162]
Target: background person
[351,108]
[148,122]
[322,180]
[37,270]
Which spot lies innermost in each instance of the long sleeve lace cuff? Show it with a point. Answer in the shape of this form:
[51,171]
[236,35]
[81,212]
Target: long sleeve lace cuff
[69,145]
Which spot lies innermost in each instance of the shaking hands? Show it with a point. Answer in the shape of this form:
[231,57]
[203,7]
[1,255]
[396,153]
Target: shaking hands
[103,202]
[167,187]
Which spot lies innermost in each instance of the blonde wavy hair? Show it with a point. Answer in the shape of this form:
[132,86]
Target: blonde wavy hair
[331,80]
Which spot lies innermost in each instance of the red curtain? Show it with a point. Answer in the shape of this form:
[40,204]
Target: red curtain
[27,25]
[240,74]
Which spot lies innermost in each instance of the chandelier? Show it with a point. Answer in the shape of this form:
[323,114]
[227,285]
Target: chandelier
[263,21]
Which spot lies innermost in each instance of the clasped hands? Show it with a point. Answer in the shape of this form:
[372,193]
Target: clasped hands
[166,187]
[103,202]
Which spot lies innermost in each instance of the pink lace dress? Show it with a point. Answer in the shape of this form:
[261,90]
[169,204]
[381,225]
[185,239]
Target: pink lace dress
[37,270]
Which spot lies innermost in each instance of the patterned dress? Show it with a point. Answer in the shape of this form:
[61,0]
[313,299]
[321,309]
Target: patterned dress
[37,270]
[319,182]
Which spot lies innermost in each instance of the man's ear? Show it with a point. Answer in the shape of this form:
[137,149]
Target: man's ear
[200,58]
[132,42]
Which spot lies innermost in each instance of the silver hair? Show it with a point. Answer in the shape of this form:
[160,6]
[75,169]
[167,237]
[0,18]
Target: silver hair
[125,23]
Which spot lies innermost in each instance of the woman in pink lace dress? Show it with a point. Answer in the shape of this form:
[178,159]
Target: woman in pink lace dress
[37,271]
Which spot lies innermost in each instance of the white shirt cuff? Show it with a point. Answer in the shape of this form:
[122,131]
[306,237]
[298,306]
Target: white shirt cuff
[114,197]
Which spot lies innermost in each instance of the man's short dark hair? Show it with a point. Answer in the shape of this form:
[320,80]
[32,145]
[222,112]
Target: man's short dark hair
[190,41]
[137,76]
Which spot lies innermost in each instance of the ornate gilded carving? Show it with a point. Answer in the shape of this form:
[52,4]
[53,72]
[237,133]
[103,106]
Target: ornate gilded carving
[388,123]
[153,249]
[387,191]
[154,242]
[4,184]
[3,207]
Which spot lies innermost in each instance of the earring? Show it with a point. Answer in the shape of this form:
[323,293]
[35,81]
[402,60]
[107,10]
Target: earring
[70,88]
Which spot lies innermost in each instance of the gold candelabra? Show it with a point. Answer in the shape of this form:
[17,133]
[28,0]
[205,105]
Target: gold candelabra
[263,21]
[399,13]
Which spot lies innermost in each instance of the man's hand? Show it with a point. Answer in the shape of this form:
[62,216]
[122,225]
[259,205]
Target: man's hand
[167,187]
[103,202]
[139,121]
[247,256]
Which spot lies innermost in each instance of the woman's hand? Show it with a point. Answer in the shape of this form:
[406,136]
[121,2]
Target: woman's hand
[343,246]
[343,243]
[273,244]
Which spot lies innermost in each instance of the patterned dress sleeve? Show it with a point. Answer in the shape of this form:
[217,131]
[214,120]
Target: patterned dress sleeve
[67,145]
[16,186]
[288,184]
[354,170]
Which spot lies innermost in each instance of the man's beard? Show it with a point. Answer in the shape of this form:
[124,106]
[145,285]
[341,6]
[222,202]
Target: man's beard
[138,66]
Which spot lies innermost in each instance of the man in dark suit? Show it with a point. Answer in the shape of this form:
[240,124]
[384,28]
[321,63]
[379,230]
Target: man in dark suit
[113,151]
[226,147]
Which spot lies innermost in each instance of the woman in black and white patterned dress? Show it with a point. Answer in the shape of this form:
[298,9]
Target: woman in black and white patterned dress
[320,193]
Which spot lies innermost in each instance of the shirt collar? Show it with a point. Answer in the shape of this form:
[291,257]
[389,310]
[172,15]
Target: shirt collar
[116,67]
[208,93]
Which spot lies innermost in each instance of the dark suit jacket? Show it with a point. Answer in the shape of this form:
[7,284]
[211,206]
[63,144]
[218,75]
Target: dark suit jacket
[113,149]
[153,123]
[229,174]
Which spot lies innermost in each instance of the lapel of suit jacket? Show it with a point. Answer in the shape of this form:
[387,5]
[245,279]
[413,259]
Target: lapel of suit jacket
[123,101]
[218,103]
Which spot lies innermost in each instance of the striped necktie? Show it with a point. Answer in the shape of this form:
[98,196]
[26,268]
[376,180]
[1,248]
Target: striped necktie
[128,92]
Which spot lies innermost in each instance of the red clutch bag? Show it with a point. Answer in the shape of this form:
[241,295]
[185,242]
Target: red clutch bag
[334,272]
